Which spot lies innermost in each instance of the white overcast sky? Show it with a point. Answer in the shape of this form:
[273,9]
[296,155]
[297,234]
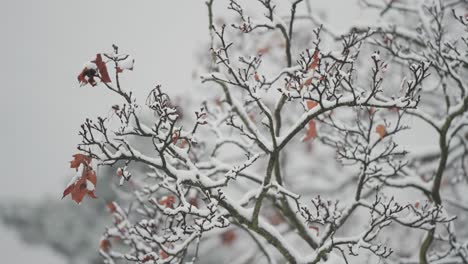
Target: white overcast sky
[44,45]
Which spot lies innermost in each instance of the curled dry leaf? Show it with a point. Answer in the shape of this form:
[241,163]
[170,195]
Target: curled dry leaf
[381,130]
[315,61]
[311,131]
[91,70]
[105,245]
[101,65]
[311,104]
[79,159]
[85,183]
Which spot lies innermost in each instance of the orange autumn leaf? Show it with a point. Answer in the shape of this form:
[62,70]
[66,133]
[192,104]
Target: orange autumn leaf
[105,245]
[315,61]
[380,129]
[311,104]
[168,201]
[308,81]
[79,159]
[86,182]
[81,187]
[89,72]
[311,131]
[228,237]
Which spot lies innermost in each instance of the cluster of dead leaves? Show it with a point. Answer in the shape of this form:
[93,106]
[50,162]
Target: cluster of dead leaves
[98,68]
[168,201]
[91,70]
[85,183]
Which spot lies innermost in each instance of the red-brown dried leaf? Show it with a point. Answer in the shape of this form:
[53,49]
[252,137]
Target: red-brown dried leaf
[315,61]
[105,245]
[147,258]
[311,104]
[87,76]
[193,201]
[228,237]
[79,189]
[311,131]
[80,159]
[381,130]
[308,82]
[68,190]
[101,65]
[168,201]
